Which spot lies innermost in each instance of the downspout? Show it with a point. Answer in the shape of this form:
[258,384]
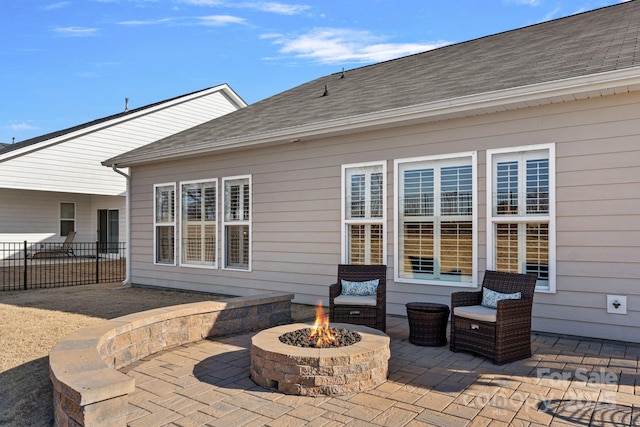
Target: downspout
[127,220]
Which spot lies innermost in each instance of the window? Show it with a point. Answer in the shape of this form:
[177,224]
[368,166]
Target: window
[435,220]
[237,222]
[199,223]
[520,224]
[364,213]
[164,223]
[67,218]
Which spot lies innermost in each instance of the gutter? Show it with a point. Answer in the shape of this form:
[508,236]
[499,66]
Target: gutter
[127,280]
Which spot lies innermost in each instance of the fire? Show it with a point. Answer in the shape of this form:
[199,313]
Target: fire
[320,329]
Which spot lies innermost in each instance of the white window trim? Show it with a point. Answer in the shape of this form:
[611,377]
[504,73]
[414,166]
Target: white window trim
[225,223]
[179,229]
[491,220]
[474,219]
[343,209]
[156,224]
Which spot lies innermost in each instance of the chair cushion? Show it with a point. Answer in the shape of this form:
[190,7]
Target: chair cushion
[355,300]
[366,288]
[476,312]
[490,297]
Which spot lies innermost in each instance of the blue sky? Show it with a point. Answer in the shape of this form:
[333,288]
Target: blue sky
[63,63]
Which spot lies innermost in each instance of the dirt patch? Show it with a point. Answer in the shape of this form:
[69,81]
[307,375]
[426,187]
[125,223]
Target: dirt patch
[31,322]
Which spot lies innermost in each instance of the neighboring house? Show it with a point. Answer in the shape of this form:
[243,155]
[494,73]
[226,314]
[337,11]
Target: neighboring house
[518,151]
[53,184]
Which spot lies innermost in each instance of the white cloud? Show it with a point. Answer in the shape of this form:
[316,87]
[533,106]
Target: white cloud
[279,8]
[221,20]
[263,6]
[552,14]
[271,36]
[17,127]
[211,20]
[76,31]
[58,5]
[149,22]
[333,45]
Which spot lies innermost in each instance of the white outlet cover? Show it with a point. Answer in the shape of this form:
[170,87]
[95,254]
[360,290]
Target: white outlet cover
[620,299]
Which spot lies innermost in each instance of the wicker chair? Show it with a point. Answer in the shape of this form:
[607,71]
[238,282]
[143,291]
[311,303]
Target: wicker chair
[352,311]
[505,335]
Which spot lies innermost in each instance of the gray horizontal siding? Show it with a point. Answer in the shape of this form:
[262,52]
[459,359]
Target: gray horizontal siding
[296,209]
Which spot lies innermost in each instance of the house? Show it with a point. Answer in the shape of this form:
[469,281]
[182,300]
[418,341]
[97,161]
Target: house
[54,183]
[517,151]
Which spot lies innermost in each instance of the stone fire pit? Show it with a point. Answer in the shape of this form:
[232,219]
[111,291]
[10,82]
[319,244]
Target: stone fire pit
[319,371]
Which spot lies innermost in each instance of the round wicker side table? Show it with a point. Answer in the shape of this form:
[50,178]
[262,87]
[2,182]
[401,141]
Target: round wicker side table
[427,323]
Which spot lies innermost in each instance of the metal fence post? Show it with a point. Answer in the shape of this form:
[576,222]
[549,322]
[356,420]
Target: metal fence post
[24,273]
[97,265]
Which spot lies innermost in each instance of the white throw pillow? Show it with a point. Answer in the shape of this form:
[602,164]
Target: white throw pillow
[367,288]
[490,298]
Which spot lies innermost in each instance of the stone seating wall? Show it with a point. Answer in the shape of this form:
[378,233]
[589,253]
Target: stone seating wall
[87,388]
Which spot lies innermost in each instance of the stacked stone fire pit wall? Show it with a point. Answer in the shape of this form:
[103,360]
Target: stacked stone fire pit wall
[310,371]
[87,388]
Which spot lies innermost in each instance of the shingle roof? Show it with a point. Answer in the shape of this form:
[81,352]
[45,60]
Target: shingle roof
[606,39]
[5,148]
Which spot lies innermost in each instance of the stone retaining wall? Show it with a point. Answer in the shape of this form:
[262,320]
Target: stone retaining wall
[87,388]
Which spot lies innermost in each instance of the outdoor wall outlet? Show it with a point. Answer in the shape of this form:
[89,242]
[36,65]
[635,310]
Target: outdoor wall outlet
[616,304]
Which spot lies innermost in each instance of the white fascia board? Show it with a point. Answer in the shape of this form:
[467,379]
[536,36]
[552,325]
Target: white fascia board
[231,94]
[619,81]
[233,97]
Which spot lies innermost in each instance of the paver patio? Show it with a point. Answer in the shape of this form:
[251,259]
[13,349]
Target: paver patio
[567,381]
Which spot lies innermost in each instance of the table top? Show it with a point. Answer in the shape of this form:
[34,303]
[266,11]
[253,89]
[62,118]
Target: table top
[427,306]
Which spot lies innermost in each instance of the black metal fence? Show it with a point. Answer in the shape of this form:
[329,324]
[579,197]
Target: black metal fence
[47,265]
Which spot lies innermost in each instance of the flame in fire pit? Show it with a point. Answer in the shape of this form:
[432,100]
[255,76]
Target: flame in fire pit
[320,331]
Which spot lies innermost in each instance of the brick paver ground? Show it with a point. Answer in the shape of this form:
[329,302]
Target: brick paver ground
[567,381]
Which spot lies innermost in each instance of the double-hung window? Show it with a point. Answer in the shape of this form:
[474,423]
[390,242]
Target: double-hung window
[199,223]
[520,223]
[436,220]
[67,218]
[164,223]
[364,213]
[237,222]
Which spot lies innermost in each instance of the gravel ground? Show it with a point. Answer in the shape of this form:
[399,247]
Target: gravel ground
[31,322]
